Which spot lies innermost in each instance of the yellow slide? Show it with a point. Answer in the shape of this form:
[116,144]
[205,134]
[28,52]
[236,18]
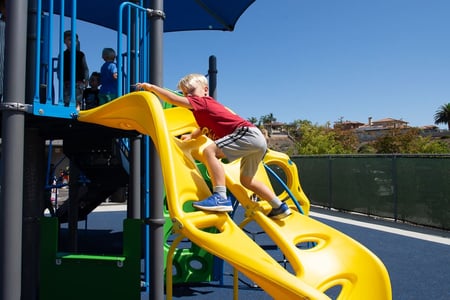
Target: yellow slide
[335,260]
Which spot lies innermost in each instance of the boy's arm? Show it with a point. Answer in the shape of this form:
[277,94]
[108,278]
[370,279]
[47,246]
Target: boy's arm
[165,95]
[193,135]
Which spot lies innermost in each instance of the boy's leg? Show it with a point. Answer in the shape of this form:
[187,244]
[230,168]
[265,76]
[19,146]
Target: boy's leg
[218,200]
[66,94]
[214,165]
[279,209]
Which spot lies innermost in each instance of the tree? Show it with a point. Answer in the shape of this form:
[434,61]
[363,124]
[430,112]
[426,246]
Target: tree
[266,122]
[314,139]
[442,115]
[253,120]
[408,141]
[267,119]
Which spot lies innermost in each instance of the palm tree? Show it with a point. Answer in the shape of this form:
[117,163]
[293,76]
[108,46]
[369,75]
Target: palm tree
[442,115]
[253,120]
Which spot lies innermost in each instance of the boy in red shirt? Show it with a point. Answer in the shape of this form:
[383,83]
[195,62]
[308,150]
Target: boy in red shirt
[233,136]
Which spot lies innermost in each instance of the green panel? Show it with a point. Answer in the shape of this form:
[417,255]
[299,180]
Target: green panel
[412,188]
[315,178]
[76,276]
[363,184]
[424,190]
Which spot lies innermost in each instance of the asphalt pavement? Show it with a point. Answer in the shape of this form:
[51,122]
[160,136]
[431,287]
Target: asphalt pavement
[417,258]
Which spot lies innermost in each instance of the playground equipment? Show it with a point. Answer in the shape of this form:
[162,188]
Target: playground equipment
[315,270]
[334,260]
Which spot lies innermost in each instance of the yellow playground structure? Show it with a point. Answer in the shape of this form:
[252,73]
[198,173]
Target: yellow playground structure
[333,260]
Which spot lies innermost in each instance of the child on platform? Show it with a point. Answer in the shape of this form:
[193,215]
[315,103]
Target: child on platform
[90,94]
[108,73]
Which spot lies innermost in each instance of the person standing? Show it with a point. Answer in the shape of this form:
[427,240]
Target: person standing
[81,71]
[90,94]
[108,74]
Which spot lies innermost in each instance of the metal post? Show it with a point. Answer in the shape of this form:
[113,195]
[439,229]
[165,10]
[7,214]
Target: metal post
[13,124]
[330,182]
[134,188]
[212,75]
[31,82]
[156,220]
[73,210]
[395,186]
[33,203]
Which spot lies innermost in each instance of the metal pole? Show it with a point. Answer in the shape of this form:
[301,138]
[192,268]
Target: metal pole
[395,185]
[156,220]
[13,124]
[134,188]
[32,83]
[212,75]
[33,200]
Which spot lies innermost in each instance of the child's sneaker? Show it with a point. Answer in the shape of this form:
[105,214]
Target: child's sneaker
[214,203]
[280,212]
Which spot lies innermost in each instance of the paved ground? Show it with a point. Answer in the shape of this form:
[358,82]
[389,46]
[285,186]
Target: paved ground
[417,258]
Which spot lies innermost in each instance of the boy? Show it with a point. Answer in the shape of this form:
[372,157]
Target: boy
[108,73]
[90,95]
[81,70]
[234,137]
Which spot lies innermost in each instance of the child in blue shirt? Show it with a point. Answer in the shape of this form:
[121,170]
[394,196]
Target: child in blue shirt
[108,74]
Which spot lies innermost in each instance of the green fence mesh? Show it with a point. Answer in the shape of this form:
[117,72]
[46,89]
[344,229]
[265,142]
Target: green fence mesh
[410,188]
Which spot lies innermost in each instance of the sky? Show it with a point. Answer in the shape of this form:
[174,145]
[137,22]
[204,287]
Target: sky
[317,60]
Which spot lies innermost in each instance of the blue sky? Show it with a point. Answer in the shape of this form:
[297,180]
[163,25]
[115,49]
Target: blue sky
[318,60]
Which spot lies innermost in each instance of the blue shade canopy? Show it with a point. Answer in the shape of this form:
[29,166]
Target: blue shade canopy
[181,15]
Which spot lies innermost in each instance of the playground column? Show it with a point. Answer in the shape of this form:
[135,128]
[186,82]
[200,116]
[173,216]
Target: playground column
[33,206]
[134,209]
[134,194]
[156,220]
[212,75]
[13,124]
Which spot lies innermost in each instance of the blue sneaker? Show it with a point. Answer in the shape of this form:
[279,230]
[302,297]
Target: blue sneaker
[280,212]
[214,203]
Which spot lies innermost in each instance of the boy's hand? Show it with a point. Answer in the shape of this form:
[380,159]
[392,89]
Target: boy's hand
[142,86]
[186,137]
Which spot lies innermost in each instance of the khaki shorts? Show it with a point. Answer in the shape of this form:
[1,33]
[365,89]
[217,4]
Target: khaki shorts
[247,143]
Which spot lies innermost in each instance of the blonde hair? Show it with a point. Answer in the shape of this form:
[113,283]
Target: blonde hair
[108,54]
[189,82]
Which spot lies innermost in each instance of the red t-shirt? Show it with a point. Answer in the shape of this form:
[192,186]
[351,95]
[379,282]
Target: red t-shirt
[217,119]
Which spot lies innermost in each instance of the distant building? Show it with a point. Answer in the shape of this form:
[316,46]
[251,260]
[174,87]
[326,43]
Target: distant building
[388,123]
[347,125]
[275,128]
[373,129]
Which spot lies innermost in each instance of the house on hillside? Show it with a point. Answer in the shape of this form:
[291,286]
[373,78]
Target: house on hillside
[275,128]
[388,123]
[375,129]
[382,124]
[347,125]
